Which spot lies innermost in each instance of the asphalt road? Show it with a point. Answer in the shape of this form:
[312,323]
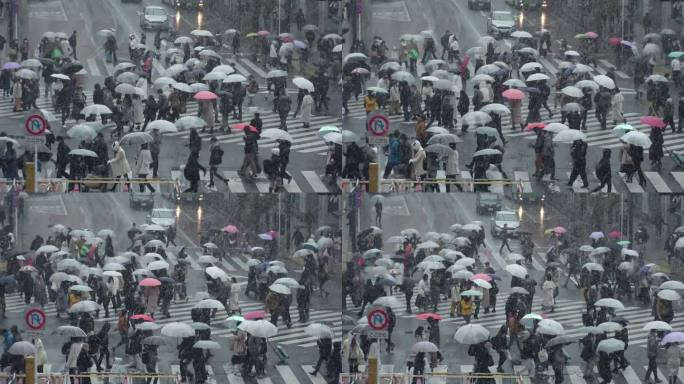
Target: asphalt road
[98,211]
[437,212]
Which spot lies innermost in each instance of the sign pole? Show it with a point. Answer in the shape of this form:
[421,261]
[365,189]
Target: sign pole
[35,169]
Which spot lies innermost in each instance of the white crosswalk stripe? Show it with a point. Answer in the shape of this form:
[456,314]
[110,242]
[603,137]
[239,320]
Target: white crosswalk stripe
[568,312]
[180,311]
[302,181]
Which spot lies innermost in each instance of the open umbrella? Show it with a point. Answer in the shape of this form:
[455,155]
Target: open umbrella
[652,121]
[259,328]
[22,348]
[424,347]
[572,91]
[636,138]
[69,331]
[610,346]
[217,273]
[672,284]
[471,334]
[85,306]
[673,337]
[279,288]
[569,136]
[319,330]
[276,134]
[658,326]
[609,303]
[550,327]
[82,132]
[538,77]
[517,270]
[669,295]
[157,265]
[477,118]
[604,81]
[177,330]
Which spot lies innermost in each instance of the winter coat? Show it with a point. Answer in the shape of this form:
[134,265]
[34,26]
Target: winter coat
[672,356]
[138,115]
[307,106]
[417,161]
[207,108]
[144,162]
[548,289]
[151,298]
[234,301]
[617,107]
[119,163]
[452,166]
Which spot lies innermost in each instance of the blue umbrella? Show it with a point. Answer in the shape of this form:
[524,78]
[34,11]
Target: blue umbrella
[265,236]
[8,280]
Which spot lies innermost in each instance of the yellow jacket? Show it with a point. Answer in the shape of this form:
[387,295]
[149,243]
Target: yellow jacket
[371,104]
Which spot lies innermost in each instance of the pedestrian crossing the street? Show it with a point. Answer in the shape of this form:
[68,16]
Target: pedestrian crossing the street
[276,374]
[302,182]
[230,263]
[180,311]
[567,312]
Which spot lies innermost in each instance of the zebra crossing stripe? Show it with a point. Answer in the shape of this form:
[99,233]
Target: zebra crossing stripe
[634,186]
[233,185]
[92,68]
[524,179]
[658,183]
[253,67]
[286,374]
[679,178]
[318,379]
[575,374]
[315,182]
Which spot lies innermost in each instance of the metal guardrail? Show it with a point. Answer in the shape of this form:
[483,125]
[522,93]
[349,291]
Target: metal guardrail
[406,185]
[443,378]
[61,185]
[101,377]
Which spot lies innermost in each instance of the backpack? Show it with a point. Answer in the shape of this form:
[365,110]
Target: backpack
[188,172]
[216,155]
[405,152]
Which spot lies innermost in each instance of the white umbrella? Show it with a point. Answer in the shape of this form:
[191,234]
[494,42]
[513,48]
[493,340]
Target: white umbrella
[387,301]
[496,108]
[424,347]
[69,331]
[582,68]
[207,259]
[609,303]
[163,126]
[587,84]
[113,267]
[669,295]
[555,127]
[318,330]
[569,136]
[604,81]
[112,274]
[636,138]
[672,284]
[26,74]
[209,304]
[521,34]
[224,68]
[136,138]
[214,76]
[47,249]
[538,77]
[217,273]
[60,76]
[206,344]
[610,346]
[471,334]
[187,122]
[303,83]
[517,270]
[177,330]
[259,328]
[482,284]
[84,306]
[183,87]
[572,91]
[658,326]
[610,326]
[96,109]
[157,265]
[550,327]
[82,132]
[529,67]
[288,282]
[201,32]
[276,134]
[428,245]
[482,77]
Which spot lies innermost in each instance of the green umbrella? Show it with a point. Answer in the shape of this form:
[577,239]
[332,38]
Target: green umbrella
[580,36]
[624,243]
[675,54]
[252,34]
[56,53]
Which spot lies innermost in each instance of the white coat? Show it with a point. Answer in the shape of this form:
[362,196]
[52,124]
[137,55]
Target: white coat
[307,107]
[119,163]
[234,304]
[417,161]
[143,163]
[548,288]
[672,356]
[138,116]
[616,105]
[452,167]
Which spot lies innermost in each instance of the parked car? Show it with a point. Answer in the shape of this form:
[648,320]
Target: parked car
[164,217]
[140,200]
[509,219]
[480,4]
[500,23]
[488,203]
[154,17]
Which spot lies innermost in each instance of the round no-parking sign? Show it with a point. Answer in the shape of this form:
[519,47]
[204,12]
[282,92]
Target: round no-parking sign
[35,319]
[35,125]
[378,319]
[378,125]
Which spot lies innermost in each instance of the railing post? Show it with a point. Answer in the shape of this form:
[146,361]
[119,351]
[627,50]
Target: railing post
[30,363]
[374,177]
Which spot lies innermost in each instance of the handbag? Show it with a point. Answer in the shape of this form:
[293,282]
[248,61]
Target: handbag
[543,355]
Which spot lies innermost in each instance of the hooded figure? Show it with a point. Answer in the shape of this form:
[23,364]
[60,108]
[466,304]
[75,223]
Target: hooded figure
[417,169]
[119,163]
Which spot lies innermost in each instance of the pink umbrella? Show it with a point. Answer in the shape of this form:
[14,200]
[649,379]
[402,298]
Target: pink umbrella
[263,33]
[481,276]
[243,126]
[513,94]
[230,229]
[205,95]
[614,41]
[532,126]
[559,230]
[273,233]
[591,35]
[652,121]
[255,315]
[150,282]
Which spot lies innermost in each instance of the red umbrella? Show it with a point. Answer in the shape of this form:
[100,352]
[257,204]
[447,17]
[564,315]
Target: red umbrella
[513,94]
[255,315]
[243,126]
[615,234]
[652,121]
[481,276]
[142,316]
[230,228]
[426,316]
[263,33]
[591,35]
[150,282]
[205,95]
[532,126]
[614,41]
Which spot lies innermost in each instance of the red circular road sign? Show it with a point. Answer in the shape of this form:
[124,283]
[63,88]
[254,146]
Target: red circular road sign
[378,319]
[378,125]
[35,125]
[35,319]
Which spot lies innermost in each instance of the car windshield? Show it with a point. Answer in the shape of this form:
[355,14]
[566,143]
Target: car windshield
[155,11]
[506,216]
[503,17]
[489,198]
[162,214]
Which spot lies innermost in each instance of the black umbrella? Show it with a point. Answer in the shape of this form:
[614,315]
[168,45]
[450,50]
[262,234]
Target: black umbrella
[167,280]
[72,68]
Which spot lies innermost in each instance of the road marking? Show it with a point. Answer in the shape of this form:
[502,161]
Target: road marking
[634,186]
[287,374]
[253,67]
[658,182]
[315,182]
[228,266]
[523,178]
[93,69]
[318,379]
[193,262]
[243,71]
[234,186]
[577,185]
